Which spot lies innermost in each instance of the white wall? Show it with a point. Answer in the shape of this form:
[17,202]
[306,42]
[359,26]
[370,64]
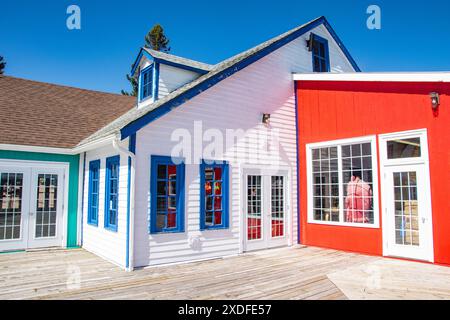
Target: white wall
[266,86]
[171,78]
[105,243]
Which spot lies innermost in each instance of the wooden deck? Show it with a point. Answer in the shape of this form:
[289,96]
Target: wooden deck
[288,273]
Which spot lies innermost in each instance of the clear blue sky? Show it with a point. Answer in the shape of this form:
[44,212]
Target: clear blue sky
[36,44]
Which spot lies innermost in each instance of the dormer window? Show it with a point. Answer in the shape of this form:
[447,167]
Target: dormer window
[321,59]
[146,82]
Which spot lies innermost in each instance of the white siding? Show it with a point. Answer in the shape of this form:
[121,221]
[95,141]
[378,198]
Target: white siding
[238,102]
[105,243]
[171,78]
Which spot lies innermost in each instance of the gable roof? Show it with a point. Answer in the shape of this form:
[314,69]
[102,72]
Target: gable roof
[171,59]
[48,115]
[136,119]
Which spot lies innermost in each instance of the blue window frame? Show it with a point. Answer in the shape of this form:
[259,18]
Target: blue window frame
[112,193]
[146,82]
[94,183]
[167,194]
[214,195]
[320,55]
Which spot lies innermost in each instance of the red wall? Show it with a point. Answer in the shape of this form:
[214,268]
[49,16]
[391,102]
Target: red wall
[338,110]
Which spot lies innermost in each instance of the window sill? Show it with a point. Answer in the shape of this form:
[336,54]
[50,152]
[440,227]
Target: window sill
[214,228]
[346,224]
[111,228]
[166,232]
[93,224]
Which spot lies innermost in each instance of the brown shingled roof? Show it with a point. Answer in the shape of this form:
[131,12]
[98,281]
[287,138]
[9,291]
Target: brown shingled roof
[41,114]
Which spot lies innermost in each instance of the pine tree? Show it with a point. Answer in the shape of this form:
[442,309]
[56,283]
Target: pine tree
[156,40]
[2,64]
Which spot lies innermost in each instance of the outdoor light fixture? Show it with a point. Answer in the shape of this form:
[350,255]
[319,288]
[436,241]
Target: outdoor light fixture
[266,118]
[310,42]
[435,101]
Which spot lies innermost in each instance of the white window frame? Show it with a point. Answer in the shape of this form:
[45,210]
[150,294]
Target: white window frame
[337,143]
[420,133]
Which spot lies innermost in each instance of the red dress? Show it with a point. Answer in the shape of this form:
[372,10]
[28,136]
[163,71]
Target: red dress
[358,201]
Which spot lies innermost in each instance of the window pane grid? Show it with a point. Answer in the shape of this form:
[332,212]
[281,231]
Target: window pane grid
[406,209]
[46,206]
[214,200]
[342,184]
[10,205]
[277,209]
[112,193]
[254,207]
[166,197]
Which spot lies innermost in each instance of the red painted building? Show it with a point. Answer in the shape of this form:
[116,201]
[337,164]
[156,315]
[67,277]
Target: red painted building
[374,163]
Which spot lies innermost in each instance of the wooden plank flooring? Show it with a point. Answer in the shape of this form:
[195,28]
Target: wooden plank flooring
[288,273]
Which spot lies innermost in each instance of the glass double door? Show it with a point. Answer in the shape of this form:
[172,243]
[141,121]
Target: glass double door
[265,211]
[31,207]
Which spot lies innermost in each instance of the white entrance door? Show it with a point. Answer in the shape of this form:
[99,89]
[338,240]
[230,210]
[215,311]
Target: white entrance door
[265,210]
[408,212]
[31,207]
[46,214]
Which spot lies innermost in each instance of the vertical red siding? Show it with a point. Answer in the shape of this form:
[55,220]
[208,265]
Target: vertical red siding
[338,110]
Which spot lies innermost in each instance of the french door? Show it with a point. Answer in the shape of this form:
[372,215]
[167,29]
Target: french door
[408,212]
[265,210]
[31,207]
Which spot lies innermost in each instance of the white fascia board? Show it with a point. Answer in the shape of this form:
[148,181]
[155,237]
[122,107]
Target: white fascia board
[16,147]
[376,77]
[69,151]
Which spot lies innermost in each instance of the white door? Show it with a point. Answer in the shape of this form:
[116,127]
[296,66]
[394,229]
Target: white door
[265,210]
[14,207]
[31,207]
[46,214]
[408,212]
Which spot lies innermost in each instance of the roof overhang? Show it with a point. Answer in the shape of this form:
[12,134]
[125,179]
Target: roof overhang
[375,76]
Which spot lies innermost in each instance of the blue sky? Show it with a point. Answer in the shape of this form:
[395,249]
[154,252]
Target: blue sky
[37,45]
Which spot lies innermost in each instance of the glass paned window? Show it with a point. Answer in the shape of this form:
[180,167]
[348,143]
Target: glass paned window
[94,183]
[321,61]
[167,189]
[214,196]
[342,183]
[112,193]
[404,148]
[146,82]
[46,206]
[11,193]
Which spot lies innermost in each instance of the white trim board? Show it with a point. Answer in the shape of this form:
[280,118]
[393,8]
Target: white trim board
[376,77]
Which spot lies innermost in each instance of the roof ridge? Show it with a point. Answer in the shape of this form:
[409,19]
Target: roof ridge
[63,86]
[175,57]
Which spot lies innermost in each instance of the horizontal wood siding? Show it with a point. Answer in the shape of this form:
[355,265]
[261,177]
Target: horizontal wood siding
[238,102]
[105,243]
[172,78]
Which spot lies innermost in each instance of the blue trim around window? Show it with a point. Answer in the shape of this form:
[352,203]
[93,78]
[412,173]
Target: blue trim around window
[146,83]
[179,196]
[224,195]
[93,192]
[112,190]
[321,56]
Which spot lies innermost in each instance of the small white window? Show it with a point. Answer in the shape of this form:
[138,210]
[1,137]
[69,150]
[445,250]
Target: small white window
[342,183]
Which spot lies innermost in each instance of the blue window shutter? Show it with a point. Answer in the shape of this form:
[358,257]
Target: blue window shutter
[154,196]
[93,192]
[112,206]
[224,195]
